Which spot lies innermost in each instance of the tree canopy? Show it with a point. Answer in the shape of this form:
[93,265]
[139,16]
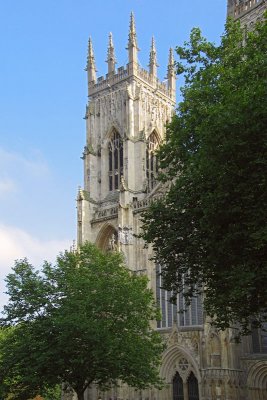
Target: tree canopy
[86,319]
[209,231]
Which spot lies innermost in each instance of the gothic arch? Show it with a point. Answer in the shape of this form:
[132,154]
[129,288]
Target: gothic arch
[113,127]
[155,131]
[152,143]
[113,149]
[171,357]
[105,235]
[257,380]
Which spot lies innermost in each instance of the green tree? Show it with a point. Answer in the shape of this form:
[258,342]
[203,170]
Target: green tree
[209,231]
[86,319]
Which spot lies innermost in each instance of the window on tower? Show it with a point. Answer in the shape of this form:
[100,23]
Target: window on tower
[259,339]
[151,161]
[180,313]
[115,154]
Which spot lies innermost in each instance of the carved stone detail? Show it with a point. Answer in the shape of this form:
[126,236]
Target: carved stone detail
[125,235]
[189,340]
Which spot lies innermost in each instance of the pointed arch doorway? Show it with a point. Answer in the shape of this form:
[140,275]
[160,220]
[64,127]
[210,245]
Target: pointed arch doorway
[185,390]
[192,384]
[178,387]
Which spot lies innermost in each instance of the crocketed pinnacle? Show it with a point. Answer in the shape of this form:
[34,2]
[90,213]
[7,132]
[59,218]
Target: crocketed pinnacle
[132,41]
[111,50]
[171,62]
[153,54]
[90,67]
[90,57]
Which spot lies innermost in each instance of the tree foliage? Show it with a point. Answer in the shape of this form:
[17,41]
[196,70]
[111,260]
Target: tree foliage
[86,319]
[209,231]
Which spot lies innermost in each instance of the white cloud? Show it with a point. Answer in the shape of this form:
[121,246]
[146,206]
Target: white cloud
[34,164]
[16,244]
[7,186]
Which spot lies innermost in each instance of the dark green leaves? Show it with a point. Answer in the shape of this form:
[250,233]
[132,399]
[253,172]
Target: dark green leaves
[212,221]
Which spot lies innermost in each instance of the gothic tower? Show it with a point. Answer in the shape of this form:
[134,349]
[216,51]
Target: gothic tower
[126,118]
[247,11]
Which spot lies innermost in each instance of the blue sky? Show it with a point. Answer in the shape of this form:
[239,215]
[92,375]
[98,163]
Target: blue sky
[43,93]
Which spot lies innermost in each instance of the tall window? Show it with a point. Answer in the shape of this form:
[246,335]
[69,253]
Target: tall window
[151,161]
[192,387]
[115,154]
[259,339]
[178,388]
[179,313]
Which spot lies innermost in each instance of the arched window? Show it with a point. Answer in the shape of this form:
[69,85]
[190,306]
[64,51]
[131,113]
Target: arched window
[115,154]
[151,161]
[180,313]
[192,387]
[259,339]
[178,388]
[107,239]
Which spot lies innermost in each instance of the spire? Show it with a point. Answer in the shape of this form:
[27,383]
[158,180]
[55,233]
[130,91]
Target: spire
[90,67]
[153,59]
[111,59]
[132,41]
[171,62]
[132,47]
[171,74]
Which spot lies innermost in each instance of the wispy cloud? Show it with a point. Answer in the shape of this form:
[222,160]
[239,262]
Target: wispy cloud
[7,186]
[16,244]
[19,173]
[34,164]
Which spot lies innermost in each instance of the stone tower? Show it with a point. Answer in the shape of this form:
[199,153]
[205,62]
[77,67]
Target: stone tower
[126,118]
[247,11]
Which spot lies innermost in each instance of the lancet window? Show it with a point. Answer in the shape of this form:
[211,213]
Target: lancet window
[151,161]
[180,313]
[192,383]
[181,392]
[115,155]
[259,339]
[178,388]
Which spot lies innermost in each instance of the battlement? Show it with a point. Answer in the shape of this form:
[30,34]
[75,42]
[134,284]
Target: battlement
[132,69]
[108,80]
[238,8]
[123,73]
[153,81]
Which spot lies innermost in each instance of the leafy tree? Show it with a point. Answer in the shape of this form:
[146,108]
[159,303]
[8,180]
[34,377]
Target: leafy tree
[86,319]
[209,231]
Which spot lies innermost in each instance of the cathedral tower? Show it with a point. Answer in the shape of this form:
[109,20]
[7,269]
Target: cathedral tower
[126,118]
[247,11]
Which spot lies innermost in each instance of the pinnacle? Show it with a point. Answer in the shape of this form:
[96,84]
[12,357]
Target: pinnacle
[90,66]
[171,62]
[171,59]
[132,41]
[153,52]
[153,55]
[110,44]
[90,48]
[111,59]
[90,56]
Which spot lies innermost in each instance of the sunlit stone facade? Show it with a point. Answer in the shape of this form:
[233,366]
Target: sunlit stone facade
[247,11]
[126,117]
